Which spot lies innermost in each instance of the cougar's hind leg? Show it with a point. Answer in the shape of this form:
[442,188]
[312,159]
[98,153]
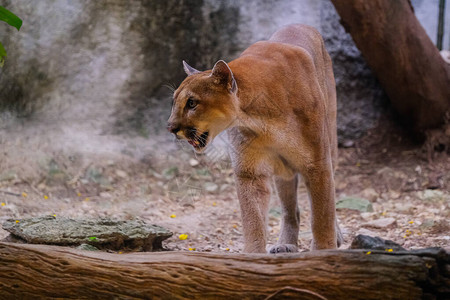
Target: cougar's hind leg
[319,181]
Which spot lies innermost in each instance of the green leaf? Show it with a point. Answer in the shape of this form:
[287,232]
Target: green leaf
[10,18]
[2,55]
[93,238]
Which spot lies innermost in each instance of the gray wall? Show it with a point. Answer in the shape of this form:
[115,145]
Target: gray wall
[102,67]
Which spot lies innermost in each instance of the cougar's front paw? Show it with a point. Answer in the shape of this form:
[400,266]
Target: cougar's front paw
[283,248]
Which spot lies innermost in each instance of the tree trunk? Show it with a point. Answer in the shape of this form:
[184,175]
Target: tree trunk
[40,271]
[402,56]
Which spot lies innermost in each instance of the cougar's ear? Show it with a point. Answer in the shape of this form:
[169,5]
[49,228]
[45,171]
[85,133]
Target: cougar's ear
[223,75]
[188,69]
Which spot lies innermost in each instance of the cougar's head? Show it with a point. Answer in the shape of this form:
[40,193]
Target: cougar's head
[203,105]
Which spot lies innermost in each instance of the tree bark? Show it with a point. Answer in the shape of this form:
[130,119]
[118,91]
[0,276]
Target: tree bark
[40,271]
[402,56]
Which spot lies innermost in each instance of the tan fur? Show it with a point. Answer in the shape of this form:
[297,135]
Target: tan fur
[277,102]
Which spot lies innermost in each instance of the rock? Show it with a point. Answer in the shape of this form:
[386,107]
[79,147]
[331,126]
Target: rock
[355,203]
[432,195]
[8,175]
[380,223]
[393,179]
[87,247]
[403,207]
[210,187]
[223,187]
[374,243]
[193,162]
[348,143]
[102,233]
[418,169]
[208,248]
[370,193]
[368,216]
[121,174]
[427,224]
[365,231]
[105,195]
[394,194]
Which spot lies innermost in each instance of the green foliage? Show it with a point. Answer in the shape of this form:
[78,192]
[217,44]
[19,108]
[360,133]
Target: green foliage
[11,19]
[2,55]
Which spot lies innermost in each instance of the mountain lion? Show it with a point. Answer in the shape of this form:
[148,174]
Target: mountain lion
[277,102]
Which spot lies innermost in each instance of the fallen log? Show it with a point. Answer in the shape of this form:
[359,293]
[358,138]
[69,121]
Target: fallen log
[41,271]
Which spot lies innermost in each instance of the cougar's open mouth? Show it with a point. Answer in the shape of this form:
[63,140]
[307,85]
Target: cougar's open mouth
[199,141]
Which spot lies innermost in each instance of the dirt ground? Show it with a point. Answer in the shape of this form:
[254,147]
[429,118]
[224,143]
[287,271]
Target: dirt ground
[195,195]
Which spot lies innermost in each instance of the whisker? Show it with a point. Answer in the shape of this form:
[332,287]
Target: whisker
[200,138]
[197,135]
[196,155]
[170,86]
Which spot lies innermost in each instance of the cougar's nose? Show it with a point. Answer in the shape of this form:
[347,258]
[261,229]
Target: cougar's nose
[174,128]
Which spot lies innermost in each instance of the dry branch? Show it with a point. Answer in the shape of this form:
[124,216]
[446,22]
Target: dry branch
[39,271]
[10,193]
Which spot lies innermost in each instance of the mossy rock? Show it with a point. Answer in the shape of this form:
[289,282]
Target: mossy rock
[102,233]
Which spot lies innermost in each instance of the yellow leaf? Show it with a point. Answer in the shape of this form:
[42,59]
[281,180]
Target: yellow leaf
[45,197]
[17,221]
[24,194]
[173,216]
[191,249]
[3,204]
[369,252]
[183,236]
[227,249]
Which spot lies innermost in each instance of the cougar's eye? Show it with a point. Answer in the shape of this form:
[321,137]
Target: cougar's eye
[191,103]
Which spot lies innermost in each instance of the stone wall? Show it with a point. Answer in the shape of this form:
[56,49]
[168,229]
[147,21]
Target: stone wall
[106,66]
